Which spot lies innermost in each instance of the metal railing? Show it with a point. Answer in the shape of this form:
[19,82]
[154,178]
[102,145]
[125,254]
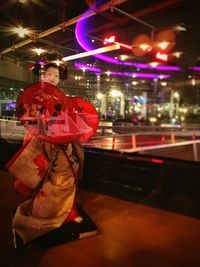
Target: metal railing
[106,136]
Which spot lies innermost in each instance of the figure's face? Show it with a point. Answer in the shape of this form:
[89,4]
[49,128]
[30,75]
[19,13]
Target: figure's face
[51,76]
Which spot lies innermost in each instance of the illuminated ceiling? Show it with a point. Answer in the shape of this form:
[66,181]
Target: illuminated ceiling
[44,18]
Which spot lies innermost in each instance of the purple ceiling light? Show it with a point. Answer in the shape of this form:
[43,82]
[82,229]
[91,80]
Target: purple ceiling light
[81,28]
[79,65]
[146,66]
[167,68]
[194,68]
[141,75]
[127,74]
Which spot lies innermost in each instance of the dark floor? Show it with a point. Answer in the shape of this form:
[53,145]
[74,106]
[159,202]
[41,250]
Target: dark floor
[130,235]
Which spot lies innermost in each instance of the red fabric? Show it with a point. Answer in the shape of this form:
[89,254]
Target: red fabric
[21,188]
[88,112]
[50,115]
[72,215]
[41,161]
[43,94]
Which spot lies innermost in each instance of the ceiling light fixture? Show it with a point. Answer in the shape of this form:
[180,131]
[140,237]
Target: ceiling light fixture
[154,64]
[81,66]
[163,45]
[92,52]
[179,28]
[145,47]
[141,75]
[197,68]
[21,31]
[38,51]
[177,54]
[81,27]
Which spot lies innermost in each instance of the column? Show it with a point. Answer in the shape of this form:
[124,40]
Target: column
[171,107]
[144,106]
[103,105]
[122,105]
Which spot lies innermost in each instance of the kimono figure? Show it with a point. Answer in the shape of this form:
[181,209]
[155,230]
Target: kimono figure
[51,169]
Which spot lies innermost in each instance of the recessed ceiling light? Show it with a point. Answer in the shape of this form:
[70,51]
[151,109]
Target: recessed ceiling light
[179,28]
[21,31]
[177,54]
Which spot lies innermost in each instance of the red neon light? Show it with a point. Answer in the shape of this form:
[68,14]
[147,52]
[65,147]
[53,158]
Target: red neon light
[160,161]
[162,56]
[109,40]
[112,40]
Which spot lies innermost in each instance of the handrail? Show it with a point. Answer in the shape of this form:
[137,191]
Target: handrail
[136,128]
[155,147]
[18,130]
[164,146]
[9,118]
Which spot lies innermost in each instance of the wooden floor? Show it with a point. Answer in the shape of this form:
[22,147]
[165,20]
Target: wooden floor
[130,235]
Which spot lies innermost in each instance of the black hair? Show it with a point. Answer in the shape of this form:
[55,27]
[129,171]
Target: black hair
[51,65]
[62,69]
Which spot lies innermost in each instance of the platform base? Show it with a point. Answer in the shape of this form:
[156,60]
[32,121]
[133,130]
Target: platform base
[66,233]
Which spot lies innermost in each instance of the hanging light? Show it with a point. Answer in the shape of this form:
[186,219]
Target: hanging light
[154,64]
[180,28]
[38,51]
[58,62]
[21,31]
[163,45]
[145,47]
[193,82]
[99,95]
[177,54]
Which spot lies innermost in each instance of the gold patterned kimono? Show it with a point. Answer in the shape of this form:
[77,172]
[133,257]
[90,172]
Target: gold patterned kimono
[56,194]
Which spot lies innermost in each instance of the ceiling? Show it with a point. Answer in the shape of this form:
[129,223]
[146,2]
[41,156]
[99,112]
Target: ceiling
[53,28]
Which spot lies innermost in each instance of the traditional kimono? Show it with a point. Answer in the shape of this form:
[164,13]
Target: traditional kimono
[54,202]
[51,161]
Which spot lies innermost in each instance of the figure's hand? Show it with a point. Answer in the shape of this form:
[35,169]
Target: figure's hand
[21,188]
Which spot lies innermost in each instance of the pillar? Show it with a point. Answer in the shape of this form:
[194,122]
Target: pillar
[122,105]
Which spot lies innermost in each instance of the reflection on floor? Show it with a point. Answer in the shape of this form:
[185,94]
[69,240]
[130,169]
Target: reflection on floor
[130,235]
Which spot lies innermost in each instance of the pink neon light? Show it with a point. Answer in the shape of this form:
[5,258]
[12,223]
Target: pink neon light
[79,65]
[112,39]
[81,28]
[109,40]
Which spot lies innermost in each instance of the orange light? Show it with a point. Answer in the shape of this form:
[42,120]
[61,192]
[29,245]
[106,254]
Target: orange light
[163,45]
[145,47]
[162,56]
[154,64]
